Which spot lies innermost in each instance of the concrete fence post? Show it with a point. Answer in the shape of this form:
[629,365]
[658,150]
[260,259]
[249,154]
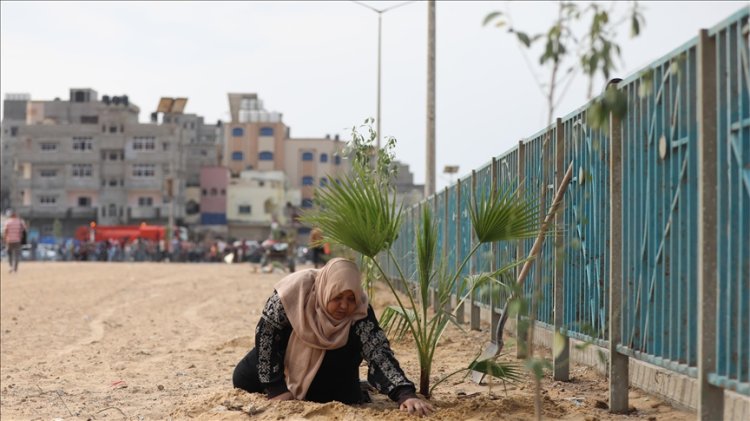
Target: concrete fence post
[475,309]
[561,357]
[710,397]
[460,317]
[521,324]
[618,363]
[495,305]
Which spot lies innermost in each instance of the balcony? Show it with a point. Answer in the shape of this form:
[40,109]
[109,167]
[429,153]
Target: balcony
[137,212]
[59,212]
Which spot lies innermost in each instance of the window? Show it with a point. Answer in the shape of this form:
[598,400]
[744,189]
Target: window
[145,201]
[223,192]
[13,130]
[113,129]
[214,191]
[266,131]
[165,146]
[47,200]
[307,203]
[237,156]
[244,209]
[324,157]
[307,156]
[238,132]
[323,182]
[47,173]
[112,209]
[265,156]
[82,143]
[204,192]
[89,119]
[113,182]
[147,143]
[84,201]
[337,160]
[307,180]
[48,147]
[82,170]
[144,170]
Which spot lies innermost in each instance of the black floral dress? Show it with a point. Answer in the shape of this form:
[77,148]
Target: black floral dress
[337,379]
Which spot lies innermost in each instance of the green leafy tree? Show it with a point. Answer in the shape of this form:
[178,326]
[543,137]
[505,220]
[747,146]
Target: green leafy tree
[564,53]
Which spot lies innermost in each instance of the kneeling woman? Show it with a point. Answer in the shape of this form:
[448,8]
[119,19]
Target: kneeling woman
[315,329]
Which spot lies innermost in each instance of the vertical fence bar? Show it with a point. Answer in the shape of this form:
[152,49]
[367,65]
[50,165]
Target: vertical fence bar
[494,313]
[521,330]
[435,296]
[561,357]
[618,363]
[475,309]
[460,309]
[710,397]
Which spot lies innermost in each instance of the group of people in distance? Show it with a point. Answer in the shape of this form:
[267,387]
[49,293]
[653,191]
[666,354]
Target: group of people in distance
[315,330]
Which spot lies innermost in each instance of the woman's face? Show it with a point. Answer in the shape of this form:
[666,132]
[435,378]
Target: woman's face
[342,305]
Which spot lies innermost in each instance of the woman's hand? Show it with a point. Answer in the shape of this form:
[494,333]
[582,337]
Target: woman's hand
[286,396]
[417,406]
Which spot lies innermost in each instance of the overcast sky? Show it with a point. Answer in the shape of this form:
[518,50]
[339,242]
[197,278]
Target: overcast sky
[316,62]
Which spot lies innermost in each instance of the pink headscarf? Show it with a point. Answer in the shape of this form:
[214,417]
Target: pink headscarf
[304,296]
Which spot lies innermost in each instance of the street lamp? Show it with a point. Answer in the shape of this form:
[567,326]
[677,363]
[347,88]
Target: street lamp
[450,170]
[380,26]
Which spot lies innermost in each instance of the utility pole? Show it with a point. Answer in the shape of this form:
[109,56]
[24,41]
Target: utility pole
[429,182]
[380,37]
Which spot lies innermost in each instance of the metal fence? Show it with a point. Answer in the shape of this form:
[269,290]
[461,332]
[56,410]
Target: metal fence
[683,168]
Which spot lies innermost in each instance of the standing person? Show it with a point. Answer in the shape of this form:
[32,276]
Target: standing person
[316,243]
[314,332]
[13,231]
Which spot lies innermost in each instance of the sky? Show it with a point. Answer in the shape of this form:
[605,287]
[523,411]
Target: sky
[316,62]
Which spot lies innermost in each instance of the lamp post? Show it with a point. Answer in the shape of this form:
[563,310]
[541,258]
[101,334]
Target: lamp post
[450,170]
[380,30]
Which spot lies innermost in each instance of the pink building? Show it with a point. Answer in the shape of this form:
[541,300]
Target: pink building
[214,182]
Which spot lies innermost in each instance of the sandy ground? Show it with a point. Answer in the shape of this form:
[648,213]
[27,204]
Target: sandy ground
[159,341]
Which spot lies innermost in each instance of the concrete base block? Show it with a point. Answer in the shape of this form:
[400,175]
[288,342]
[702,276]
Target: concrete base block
[677,389]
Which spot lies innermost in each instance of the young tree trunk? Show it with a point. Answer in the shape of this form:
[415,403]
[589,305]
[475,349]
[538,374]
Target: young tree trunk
[424,382]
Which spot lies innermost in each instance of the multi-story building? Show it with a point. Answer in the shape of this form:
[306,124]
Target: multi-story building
[256,139]
[312,163]
[256,199]
[89,159]
[14,116]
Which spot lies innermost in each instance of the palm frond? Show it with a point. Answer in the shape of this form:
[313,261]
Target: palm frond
[426,239]
[395,321]
[504,216]
[509,371]
[356,213]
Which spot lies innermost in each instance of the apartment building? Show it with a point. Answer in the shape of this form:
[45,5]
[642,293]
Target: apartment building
[256,199]
[14,116]
[89,159]
[314,162]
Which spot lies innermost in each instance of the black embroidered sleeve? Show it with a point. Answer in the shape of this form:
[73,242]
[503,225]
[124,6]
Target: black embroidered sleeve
[384,372]
[271,338]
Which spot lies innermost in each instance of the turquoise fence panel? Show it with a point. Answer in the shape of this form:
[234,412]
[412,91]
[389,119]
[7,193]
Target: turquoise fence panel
[464,220]
[482,192]
[438,216]
[452,224]
[659,252]
[538,176]
[586,229]
[733,205]
[507,180]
